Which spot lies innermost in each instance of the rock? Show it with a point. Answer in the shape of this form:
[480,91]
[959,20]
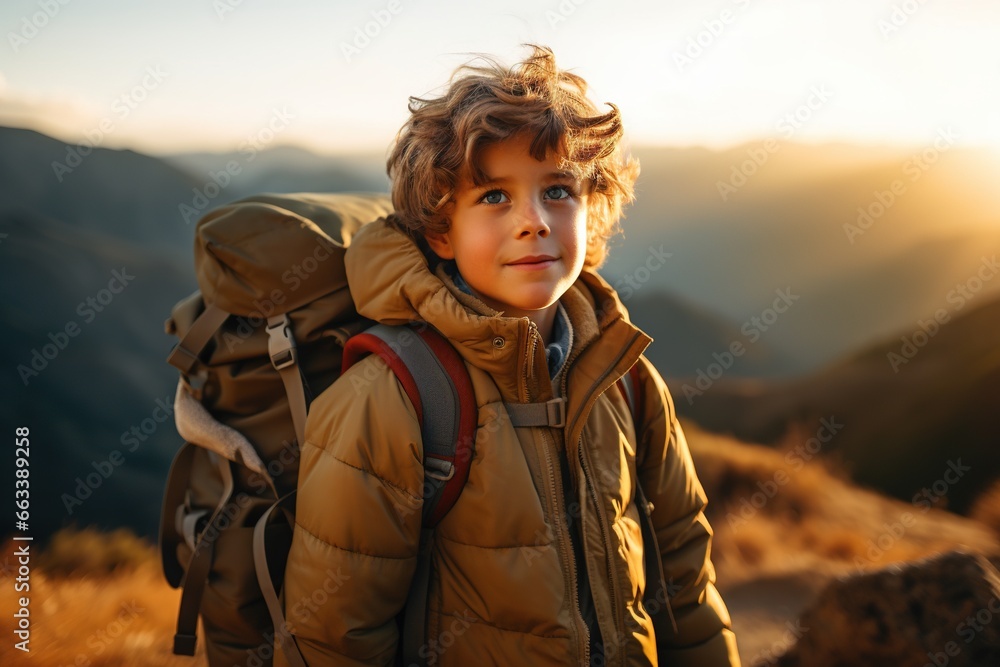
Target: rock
[944,610]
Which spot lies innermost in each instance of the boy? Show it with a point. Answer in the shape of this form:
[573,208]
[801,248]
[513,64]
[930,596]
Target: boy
[506,190]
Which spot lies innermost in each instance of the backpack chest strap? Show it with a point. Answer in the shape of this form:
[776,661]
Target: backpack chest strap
[551,413]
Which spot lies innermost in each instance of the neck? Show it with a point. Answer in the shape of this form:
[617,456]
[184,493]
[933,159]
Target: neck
[544,319]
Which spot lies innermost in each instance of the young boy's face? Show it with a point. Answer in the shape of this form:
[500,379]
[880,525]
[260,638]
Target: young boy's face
[519,240]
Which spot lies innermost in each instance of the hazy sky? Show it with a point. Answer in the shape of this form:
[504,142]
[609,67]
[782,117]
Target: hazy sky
[211,74]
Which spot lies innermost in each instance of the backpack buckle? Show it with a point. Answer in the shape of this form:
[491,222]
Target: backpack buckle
[556,412]
[280,343]
[439,469]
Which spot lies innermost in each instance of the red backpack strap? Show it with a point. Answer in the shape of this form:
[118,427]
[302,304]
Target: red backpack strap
[435,379]
[631,388]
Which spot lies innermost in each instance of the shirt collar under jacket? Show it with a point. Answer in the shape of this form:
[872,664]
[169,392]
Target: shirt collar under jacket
[562,331]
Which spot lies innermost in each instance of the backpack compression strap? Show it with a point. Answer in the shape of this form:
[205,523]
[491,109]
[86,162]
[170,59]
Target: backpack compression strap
[281,348]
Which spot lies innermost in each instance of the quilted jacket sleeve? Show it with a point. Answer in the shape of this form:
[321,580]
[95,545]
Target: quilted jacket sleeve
[704,634]
[358,520]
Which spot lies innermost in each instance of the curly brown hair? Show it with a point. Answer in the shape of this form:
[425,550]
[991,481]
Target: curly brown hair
[483,105]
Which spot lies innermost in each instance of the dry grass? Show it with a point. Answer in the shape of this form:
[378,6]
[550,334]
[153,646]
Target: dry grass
[118,613]
[986,508]
[776,513]
[100,600]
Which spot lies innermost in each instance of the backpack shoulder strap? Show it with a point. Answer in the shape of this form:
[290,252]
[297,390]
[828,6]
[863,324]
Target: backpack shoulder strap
[438,385]
[436,381]
[631,388]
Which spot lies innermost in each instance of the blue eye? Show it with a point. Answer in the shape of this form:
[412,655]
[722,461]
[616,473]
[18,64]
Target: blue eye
[558,192]
[494,197]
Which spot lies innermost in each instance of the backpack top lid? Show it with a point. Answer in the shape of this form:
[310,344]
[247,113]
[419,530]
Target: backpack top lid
[285,250]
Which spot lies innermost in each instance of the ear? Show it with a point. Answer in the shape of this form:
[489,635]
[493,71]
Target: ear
[440,244]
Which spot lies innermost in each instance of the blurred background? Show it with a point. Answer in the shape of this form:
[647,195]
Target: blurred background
[813,246]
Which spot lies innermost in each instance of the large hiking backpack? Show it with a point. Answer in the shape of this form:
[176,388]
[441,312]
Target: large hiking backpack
[265,334]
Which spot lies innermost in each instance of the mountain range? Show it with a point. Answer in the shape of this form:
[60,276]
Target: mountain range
[99,243]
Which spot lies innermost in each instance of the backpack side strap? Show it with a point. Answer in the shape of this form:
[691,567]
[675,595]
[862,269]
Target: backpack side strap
[271,542]
[203,551]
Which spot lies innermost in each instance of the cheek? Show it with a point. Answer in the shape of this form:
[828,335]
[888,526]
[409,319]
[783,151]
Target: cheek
[579,237]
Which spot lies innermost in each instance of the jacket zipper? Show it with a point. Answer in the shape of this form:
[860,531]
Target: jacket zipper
[530,353]
[602,522]
[602,519]
[569,557]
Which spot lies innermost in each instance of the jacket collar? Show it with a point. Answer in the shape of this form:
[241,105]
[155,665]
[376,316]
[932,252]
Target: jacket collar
[392,282]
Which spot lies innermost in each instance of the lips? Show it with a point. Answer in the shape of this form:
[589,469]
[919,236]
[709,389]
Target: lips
[531,261]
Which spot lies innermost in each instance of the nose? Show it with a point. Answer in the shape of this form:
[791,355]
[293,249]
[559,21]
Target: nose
[532,220]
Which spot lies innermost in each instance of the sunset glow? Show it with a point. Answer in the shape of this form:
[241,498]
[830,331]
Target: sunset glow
[715,74]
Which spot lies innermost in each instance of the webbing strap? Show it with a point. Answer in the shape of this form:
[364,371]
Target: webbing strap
[184,356]
[173,497]
[265,579]
[284,357]
[196,577]
[658,593]
[415,618]
[550,413]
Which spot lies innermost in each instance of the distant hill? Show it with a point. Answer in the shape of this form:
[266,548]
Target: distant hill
[685,336]
[114,211]
[123,194]
[285,169]
[784,228]
[81,393]
[71,221]
[911,407]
